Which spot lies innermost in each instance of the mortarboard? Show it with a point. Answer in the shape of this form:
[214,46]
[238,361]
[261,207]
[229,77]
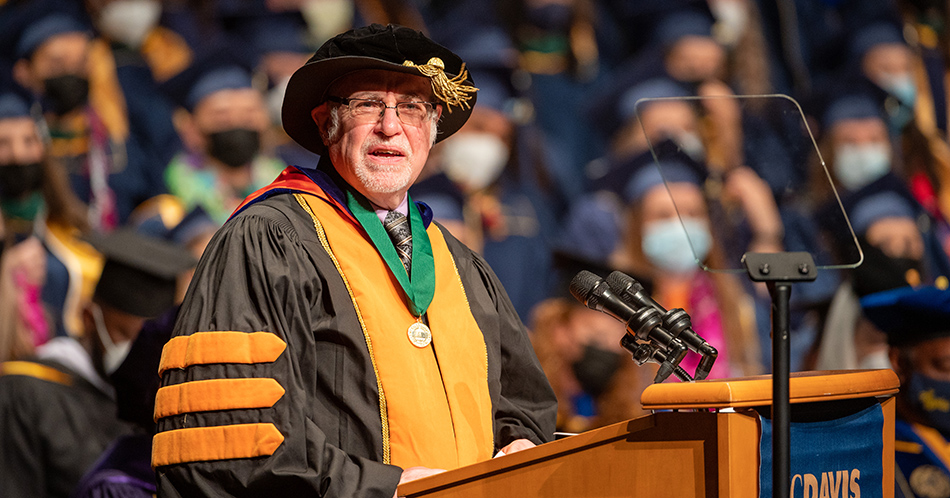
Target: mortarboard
[390,48]
[140,272]
[211,72]
[851,106]
[869,36]
[13,105]
[654,88]
[679,24]
[37,32]
[633,177]
[910,315]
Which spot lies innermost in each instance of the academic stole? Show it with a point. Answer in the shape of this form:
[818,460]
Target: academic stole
[435,399]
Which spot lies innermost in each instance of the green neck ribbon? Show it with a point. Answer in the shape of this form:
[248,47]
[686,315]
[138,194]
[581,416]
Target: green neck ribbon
[420,286]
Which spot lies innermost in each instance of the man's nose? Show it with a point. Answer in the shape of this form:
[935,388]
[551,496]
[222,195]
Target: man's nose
[389,123]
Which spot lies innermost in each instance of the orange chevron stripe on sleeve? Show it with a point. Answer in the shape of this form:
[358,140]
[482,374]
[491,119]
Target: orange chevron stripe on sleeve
[202,348]
[217,394]
[215,443]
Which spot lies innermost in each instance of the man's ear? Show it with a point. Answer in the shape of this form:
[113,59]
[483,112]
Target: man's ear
[321,116]
[184,123]
[23,75]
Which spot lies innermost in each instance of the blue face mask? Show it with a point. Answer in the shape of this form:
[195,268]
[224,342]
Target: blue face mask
[902,87]
[858,165]
[667,246]
[931,398]
[899,108]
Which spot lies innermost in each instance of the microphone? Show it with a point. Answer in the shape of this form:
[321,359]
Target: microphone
[677,321]
[644,323]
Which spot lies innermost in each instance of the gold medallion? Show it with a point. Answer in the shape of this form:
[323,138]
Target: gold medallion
[419,335]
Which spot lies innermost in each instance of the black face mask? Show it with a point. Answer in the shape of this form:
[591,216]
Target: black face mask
[880,272]
[235,147]
[18,180]
[65,93]
[596,368]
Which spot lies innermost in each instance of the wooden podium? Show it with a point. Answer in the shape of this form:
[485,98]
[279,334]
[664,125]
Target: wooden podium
[706,445]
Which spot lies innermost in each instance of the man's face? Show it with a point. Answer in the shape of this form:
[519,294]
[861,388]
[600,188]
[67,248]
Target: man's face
[931,358]
[19,141]
[231,108]
[380,157]
[859,132]
[62,54]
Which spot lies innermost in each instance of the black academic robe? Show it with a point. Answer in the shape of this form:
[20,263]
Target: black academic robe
[51,432]
[266,270]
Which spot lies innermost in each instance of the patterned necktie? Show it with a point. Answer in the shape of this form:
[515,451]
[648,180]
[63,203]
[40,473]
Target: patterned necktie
[397,226]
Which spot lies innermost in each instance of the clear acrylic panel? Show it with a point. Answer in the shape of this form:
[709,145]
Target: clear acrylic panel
[779,146]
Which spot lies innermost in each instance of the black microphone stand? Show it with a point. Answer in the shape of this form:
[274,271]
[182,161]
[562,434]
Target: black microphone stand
[779,271]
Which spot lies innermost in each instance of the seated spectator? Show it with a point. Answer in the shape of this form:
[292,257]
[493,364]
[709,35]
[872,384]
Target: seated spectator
[95,130]
[58,410]
[45,270]
[656,246]
[221,124]
[595,380]
[914,320]
[899,250]
[125,468]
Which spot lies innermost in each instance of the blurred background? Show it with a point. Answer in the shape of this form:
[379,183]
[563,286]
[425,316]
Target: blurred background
[160,117]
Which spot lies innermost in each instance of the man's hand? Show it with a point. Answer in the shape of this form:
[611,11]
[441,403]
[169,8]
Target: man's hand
[516,445]
[413,473]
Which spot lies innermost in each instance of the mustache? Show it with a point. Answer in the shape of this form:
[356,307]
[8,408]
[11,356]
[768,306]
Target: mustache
[400,144]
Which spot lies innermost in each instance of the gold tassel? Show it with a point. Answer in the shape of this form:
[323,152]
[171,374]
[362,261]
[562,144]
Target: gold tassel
[449,90]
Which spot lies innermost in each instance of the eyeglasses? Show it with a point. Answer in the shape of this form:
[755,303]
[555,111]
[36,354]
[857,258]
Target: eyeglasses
[369,110]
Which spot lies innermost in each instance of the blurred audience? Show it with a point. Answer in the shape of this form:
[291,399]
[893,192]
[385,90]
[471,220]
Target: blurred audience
[58,408]
[914,322]
[221,122]
[164,115]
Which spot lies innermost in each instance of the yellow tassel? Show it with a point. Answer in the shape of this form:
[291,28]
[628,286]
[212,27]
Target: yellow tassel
[449,90]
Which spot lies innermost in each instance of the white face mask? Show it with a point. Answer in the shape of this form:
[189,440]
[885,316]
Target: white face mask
[731,20]
[129,21]
[669,248]
[474,160]
[691,143]
[858,165]
[113,354]
[877,359]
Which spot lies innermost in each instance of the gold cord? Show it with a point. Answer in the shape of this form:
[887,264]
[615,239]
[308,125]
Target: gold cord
[452,91]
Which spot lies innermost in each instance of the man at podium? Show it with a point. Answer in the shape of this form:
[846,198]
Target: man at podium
[917,324]
[335,341]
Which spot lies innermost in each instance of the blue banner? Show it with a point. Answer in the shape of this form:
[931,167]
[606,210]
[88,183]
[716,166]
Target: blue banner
[838,458]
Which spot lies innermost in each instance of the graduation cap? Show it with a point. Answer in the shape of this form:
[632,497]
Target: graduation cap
[140,272]
[910,315]
[211,72]
[634,177]
[879,33]
[42,29]
[851,106]
[682,23]
[390,48]
[615,104]
[12,105]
